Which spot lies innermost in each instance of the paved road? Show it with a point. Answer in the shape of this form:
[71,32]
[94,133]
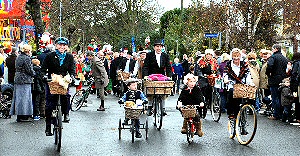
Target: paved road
[96,133]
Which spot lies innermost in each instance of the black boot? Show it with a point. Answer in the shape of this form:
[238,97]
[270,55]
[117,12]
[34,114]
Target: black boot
[101,108]
[48,130]
[66,118]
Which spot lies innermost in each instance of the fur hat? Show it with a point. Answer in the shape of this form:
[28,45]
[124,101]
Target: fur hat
[209,51]
[188,77]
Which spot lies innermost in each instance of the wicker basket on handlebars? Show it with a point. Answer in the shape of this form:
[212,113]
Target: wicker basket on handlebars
[244,91]
[158,87]
[125,76]
[55,88]
[133,113]
[188,112]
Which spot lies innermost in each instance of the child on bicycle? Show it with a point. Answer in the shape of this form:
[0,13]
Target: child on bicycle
[191,95]
[133,95]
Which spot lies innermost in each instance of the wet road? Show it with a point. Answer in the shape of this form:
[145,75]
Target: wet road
[96,133]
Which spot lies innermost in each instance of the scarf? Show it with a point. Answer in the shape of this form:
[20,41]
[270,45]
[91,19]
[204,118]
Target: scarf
[61,57]
[243,71]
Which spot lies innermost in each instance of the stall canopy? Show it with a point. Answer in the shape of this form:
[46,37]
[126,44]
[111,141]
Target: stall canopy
[12,9]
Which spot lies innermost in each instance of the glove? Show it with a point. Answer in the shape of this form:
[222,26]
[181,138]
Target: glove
[121,102]
[145,102]
[45,77]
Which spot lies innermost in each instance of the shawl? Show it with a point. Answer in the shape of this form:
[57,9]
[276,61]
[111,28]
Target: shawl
[213,63]
[244,69]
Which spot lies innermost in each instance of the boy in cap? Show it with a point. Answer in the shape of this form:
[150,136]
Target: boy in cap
[133,95]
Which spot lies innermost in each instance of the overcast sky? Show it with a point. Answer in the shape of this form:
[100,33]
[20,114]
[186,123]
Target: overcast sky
[171,4]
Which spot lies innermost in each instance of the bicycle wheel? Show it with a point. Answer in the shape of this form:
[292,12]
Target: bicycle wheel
[120,128]
[158,113]
[246,124]
[77,100]
[231,128]
[121,89]
[189,132]
[132,130]
[146,128]
[215,107]
[59,127]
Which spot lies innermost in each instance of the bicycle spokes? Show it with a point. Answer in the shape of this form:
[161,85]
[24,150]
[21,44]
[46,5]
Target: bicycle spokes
[246,124]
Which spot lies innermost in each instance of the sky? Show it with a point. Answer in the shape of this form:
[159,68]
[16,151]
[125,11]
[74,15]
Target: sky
[171,4]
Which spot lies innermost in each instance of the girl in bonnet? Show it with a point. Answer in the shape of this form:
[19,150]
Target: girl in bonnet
[191,95]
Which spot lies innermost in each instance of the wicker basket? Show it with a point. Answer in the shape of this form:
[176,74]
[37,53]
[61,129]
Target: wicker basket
[133,113]
[211,80]
[158,87]
[55,88]
[125,76]
[244,91]
[188,112]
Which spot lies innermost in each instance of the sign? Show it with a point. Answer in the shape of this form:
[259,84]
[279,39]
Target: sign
[211,35]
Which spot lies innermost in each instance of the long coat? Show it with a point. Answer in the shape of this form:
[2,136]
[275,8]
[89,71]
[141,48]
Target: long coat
[276,67]
[254,70]
[263,78]
[24,70]
[99,73]
[11,66]
[151,66]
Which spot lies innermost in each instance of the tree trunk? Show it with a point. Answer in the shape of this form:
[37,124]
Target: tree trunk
[34,10]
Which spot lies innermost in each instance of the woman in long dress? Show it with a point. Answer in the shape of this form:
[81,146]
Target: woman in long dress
[22,98]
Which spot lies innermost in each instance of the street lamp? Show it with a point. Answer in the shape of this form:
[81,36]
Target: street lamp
[177,53]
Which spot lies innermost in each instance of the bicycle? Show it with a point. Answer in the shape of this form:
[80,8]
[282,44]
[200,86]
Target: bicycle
[81,96]
[159,89]
[6,95]
[189,112]
[245,124]
[56,118]
[214,104]
[133,114]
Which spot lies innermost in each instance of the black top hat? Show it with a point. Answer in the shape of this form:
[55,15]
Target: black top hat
[158,42]
[129,52]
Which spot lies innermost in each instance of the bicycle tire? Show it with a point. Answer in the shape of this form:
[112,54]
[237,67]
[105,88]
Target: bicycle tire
[231,128]
[59,128]
[77,100]
[215,107]
[146,128]
[246,124]
[132,131]
[189,133]
[158,113]
[120,128]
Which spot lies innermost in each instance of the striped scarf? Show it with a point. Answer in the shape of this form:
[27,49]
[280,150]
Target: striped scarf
[243,71]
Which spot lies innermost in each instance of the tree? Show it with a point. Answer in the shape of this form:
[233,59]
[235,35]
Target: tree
[34,8]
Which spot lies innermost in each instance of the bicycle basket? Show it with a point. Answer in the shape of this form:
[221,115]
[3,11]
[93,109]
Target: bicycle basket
[133,113]
[55,88]
[188,112]
[158,87]
[244,91]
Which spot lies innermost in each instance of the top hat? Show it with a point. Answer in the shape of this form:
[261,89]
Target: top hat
[158,42]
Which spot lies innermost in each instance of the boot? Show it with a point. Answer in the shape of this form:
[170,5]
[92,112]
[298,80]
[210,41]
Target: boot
[101,108]
[198,126]
[66,118]
[184,125]
[48,130]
